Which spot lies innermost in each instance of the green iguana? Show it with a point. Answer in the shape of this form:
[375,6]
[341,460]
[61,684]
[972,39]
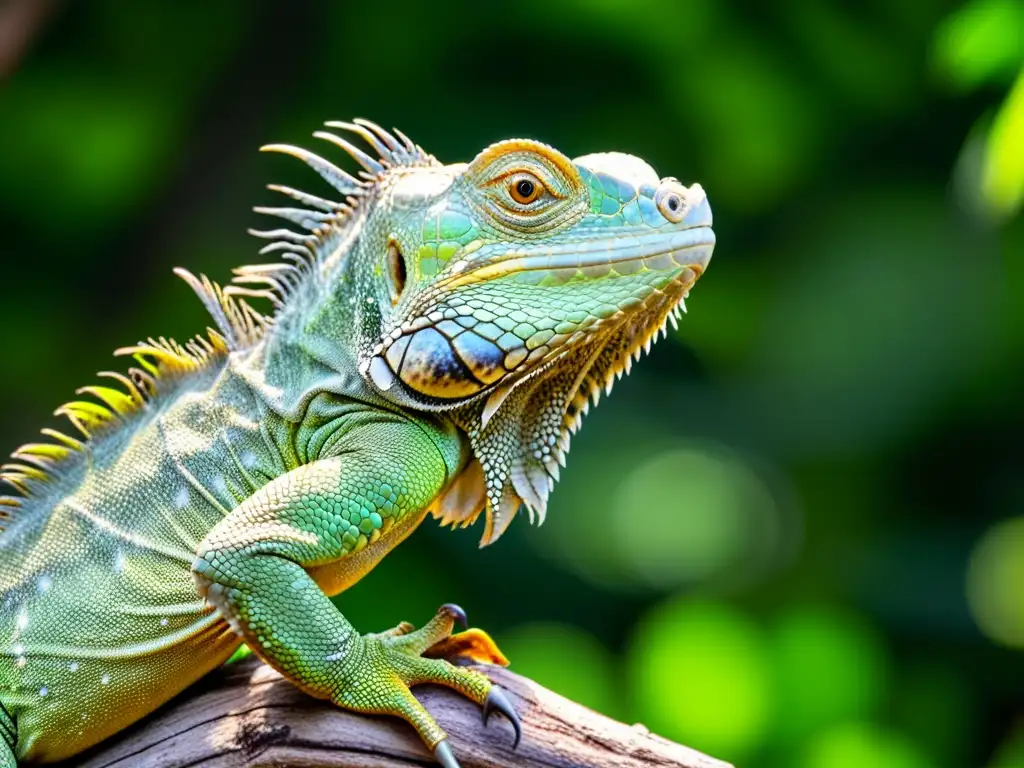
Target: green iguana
[436,336]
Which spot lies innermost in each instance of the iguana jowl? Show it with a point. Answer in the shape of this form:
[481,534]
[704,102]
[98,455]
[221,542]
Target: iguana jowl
[436,337]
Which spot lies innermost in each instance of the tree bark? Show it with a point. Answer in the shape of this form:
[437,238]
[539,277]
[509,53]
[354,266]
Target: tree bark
[247,715]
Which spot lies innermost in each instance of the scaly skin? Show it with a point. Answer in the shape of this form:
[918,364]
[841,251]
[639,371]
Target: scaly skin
[435,341]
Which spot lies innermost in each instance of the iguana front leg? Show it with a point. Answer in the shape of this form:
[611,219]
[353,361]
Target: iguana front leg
[257,566]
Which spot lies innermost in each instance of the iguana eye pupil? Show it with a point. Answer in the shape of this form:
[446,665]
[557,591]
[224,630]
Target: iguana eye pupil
[396,271]
[525,191]
[673,203]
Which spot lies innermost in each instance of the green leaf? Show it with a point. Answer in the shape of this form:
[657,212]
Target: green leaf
[982,42]
[1002,173]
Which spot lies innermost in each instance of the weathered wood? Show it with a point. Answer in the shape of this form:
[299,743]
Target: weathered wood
[247,715]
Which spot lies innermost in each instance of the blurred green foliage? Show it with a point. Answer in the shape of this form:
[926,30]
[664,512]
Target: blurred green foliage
[793,537]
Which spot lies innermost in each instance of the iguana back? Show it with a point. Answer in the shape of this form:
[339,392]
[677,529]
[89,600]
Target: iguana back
[99,606]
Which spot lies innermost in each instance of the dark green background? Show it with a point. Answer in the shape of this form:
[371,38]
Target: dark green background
[793,537]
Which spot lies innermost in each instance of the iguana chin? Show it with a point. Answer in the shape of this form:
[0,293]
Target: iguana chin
[436,336]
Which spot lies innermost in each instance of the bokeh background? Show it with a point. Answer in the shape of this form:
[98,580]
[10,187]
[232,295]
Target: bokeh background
[794,537]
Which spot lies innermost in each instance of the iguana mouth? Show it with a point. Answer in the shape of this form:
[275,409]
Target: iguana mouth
[452,362]
[689,247]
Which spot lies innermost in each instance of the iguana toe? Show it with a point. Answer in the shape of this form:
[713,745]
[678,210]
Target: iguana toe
[437,630]
[456,613]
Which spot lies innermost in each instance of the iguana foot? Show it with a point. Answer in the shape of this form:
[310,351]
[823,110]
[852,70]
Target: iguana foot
[395,660]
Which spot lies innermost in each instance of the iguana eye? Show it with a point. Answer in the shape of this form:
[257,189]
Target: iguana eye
[525,189]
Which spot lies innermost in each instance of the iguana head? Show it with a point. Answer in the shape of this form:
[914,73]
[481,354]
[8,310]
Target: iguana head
[509,290]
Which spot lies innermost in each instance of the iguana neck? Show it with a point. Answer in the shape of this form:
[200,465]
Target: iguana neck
[313,343]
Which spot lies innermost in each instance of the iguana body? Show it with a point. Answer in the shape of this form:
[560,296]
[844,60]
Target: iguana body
[435,339]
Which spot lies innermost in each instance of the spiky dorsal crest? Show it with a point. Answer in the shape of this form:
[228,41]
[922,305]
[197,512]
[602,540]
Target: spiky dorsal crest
[319,217]
[160,362]
[239,325]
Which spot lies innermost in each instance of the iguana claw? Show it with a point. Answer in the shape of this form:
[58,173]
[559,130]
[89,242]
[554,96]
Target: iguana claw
[457,613]
[496,700]
[443,755]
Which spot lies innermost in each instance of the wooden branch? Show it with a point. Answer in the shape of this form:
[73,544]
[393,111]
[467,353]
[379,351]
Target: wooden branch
[247,715]
[20,22]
